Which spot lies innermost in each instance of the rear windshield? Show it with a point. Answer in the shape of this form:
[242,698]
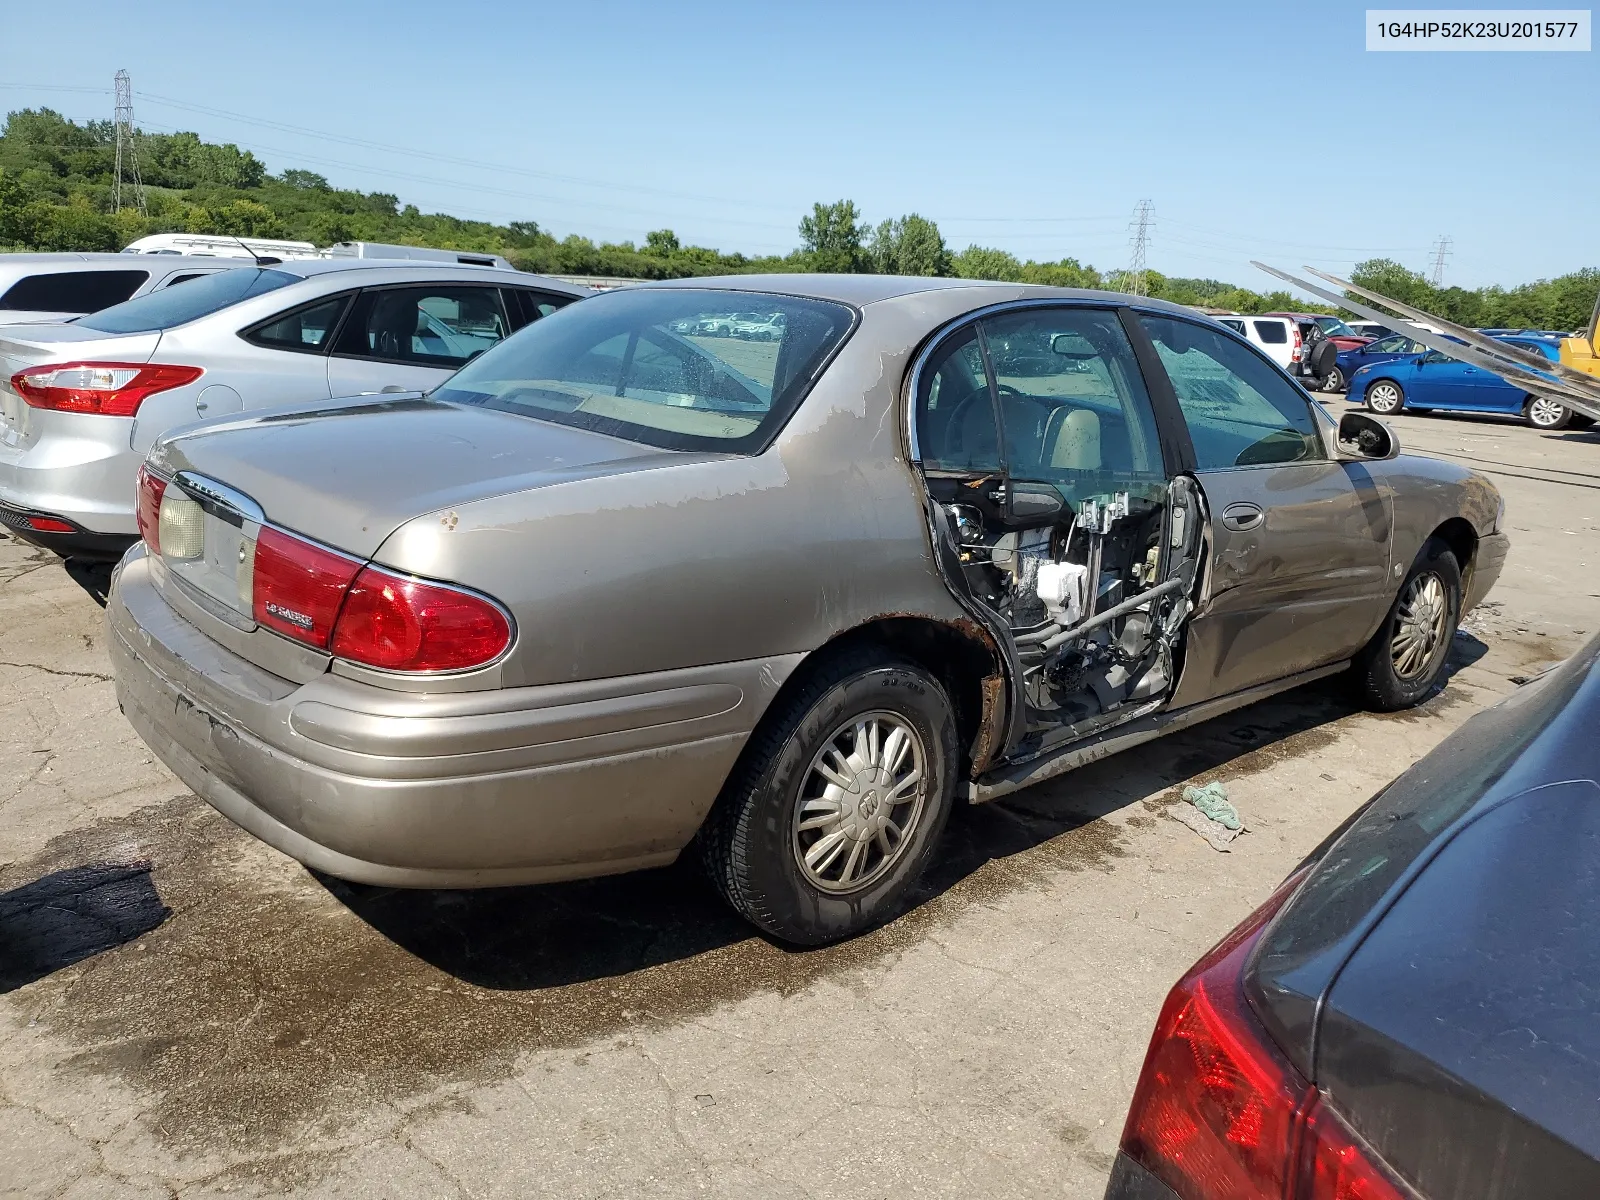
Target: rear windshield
[684,369]
[71,291]
[198,298]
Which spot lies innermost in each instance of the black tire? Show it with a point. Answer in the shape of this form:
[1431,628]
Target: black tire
[1335,381]
[751,844]
[1544,413]
[1384,396]
[1323,358]
[1385,685]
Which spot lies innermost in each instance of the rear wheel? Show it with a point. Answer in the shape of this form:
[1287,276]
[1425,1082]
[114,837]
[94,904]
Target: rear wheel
[1334,382]
[837,802]
[1402,663]
[1385,396]
[1543,413]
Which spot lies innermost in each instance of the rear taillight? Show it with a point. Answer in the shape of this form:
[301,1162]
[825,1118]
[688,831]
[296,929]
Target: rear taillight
[298,586]
[401,624]
[148,511]
[1220,1114]
[105,388]
[1299,344]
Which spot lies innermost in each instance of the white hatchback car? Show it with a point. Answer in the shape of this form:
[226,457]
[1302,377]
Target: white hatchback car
[57,287]
[1276,337]
[82,401]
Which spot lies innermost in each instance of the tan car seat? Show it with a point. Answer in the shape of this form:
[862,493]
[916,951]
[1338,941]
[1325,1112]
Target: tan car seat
[1072,440]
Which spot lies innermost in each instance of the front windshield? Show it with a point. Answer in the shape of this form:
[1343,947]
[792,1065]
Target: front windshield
[173,306]
[679,368]
[1336,326]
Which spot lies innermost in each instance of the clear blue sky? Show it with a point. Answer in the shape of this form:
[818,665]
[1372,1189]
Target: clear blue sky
[1035,127]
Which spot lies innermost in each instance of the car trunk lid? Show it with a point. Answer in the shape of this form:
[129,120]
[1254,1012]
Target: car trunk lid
[24,346]
[349,472]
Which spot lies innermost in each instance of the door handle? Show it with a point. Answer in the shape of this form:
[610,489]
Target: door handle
[1242,516]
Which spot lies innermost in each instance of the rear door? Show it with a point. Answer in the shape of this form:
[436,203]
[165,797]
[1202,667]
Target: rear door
[413,337]
[1299,541]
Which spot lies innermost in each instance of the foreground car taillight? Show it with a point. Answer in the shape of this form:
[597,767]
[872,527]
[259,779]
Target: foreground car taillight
[401,624]
[147,512]
[1219,1114]
[298,586]
[105,388]
[368,615]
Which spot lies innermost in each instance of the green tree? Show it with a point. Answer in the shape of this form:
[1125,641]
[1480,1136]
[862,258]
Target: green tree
[831,236]
[980,262]
[661,242]
[911,245]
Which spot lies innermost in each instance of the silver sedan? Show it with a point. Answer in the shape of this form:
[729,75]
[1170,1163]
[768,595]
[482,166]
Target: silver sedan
[82,402]
[622,586]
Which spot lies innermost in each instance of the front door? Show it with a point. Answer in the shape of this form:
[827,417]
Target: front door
[1299,570]
[412,338]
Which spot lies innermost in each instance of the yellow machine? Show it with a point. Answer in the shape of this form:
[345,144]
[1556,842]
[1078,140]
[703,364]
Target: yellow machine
[1583,353]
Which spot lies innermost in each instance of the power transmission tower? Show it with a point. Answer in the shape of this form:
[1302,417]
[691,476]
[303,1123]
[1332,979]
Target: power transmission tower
[127,147]
[1141,225]
[1441,251]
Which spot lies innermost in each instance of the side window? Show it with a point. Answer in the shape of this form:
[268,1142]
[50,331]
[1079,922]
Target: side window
[1233,324]
[305,329]
[185,277]
[432,326]
[72,291]
[1241,410]
[1272,332]
[525,306]
[955,415]
[1389,345]
[1072,401]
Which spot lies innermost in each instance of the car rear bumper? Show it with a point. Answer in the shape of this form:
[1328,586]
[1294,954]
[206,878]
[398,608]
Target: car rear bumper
[83,473]
[1487,562]
[74,543]
[413,789]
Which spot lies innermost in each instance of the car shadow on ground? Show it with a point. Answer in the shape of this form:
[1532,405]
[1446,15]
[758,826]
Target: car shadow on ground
[92,576]
[559,934]
[68,916]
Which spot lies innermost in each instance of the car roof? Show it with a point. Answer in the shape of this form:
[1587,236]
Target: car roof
[861,290]
[403,270]
[70,261]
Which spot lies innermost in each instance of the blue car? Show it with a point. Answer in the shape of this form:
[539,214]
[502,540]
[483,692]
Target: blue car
[1385,349]
[1432,381]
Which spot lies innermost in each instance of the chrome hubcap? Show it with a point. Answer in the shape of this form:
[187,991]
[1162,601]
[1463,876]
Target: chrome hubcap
[1545,412]
[860,802]
[1383,398]
[1419,626]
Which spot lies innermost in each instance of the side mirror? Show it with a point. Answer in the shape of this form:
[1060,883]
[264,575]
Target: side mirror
[1362,436]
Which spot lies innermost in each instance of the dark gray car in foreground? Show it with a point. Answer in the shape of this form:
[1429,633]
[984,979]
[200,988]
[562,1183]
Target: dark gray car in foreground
[628,581]
[1414,1013]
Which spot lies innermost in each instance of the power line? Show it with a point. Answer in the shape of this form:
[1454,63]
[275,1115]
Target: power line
[1441,251]
[1143,221]
[127,146]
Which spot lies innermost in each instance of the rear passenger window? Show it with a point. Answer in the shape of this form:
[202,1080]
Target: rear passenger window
[1271,333]
[305,329]
[955,414]
[1236,326]
[72,291]
[1241,410]
[441,326]
[526,306]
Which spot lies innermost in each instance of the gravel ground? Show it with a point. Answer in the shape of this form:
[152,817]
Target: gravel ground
[185,1012]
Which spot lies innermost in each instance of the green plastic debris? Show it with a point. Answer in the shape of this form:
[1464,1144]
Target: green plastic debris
[1212,799]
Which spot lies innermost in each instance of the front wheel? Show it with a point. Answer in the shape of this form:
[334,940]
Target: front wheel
[1543,413]
[837,802]
[1385,396]
[1403,662]
[1334,382]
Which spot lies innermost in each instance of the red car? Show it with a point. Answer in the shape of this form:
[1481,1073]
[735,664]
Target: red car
[1335,330]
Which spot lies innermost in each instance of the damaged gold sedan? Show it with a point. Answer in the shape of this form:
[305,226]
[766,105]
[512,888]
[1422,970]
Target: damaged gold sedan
[628,583]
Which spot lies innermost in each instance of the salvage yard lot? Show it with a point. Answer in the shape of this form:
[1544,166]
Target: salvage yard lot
[255,1029]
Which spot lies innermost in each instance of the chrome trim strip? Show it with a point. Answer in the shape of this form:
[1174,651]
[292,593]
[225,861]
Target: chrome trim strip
[220,500]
